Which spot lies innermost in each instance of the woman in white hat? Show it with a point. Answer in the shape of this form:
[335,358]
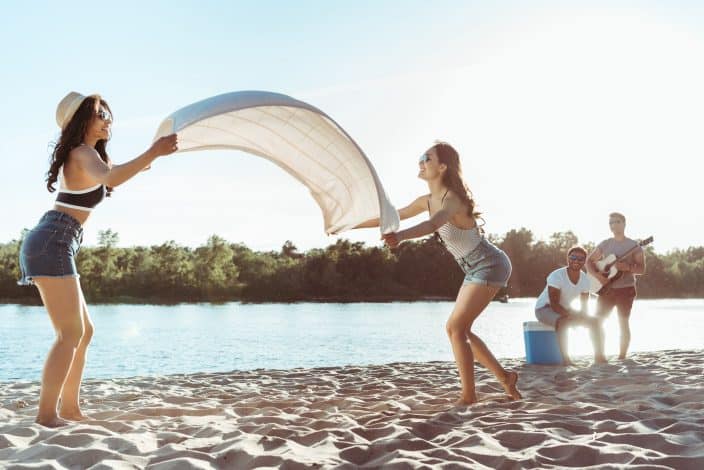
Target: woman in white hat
[86,175]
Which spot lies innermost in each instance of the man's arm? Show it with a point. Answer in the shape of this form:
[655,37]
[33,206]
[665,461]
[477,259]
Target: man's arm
[637,266]
[555,305]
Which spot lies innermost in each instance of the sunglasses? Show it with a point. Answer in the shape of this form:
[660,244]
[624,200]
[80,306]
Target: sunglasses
[577,258]
[425,158]
[104,115]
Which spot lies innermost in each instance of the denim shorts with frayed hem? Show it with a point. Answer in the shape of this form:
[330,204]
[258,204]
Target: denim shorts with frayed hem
[486,265]
[50,248]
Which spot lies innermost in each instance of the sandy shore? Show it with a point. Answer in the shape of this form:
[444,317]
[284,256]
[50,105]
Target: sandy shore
[644,412]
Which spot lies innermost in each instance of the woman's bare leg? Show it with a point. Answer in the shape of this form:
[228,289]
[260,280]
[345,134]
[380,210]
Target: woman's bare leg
[472,299]
[485,357]
[70,407]
[62,299]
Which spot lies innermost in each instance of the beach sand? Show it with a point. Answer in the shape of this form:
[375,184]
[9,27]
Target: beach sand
[643,412]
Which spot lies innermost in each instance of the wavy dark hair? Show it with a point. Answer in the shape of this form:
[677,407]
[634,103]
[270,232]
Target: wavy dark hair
[72,136]
[452,179]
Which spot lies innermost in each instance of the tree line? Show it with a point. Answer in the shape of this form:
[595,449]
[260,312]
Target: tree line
[221,271]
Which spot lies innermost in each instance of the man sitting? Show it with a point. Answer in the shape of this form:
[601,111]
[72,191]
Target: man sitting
[554,304]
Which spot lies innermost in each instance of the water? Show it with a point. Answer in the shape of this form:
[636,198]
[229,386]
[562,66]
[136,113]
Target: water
[154,340]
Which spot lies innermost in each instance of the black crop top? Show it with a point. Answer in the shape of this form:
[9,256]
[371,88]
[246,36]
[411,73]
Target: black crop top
[82,199]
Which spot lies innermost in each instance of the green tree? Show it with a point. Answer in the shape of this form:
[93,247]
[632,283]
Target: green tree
[345,270]
[517,245]
[215,271]
[108,238]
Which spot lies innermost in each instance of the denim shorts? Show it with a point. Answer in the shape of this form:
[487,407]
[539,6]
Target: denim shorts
[486,265]
[50,248]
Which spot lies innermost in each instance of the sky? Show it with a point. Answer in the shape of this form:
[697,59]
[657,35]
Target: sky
[562,111]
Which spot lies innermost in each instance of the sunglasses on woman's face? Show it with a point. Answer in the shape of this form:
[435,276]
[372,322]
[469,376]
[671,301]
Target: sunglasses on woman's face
[425,158]
[104,115]
[577,258]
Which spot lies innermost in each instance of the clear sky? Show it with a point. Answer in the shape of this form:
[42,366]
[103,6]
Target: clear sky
[562,111]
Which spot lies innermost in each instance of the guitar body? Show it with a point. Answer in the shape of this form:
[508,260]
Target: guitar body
[606,266]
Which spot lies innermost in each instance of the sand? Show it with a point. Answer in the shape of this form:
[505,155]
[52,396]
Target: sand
[644,412]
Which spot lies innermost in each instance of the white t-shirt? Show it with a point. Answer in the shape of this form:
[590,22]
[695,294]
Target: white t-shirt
[568,291]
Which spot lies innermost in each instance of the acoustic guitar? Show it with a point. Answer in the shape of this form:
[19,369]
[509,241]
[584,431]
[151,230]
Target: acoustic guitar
[607,267]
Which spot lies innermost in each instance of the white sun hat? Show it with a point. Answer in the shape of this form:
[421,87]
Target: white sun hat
[68,106]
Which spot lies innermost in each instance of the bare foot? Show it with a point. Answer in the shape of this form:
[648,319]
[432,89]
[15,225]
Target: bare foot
[509,384]
[600,360]
[466,402]
[567,362]
[54,422]
[73,415]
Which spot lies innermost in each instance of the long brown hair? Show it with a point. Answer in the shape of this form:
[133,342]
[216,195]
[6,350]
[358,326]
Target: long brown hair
[452,179]
[72,136]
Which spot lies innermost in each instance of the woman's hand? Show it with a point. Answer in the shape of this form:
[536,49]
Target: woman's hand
[391,239]
[164,145]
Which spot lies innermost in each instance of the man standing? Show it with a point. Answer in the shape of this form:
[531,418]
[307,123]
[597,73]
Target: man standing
[554,307]
[622,291]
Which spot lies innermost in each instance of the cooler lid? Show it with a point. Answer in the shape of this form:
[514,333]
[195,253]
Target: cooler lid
[536,326]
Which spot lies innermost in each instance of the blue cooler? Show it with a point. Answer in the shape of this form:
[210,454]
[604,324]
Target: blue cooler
[541,343]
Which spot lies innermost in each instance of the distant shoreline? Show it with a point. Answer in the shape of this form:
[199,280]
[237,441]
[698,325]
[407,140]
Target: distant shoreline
[27,301]
[163,301]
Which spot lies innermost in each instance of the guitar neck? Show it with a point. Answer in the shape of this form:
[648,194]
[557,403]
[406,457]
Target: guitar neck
[639,244]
